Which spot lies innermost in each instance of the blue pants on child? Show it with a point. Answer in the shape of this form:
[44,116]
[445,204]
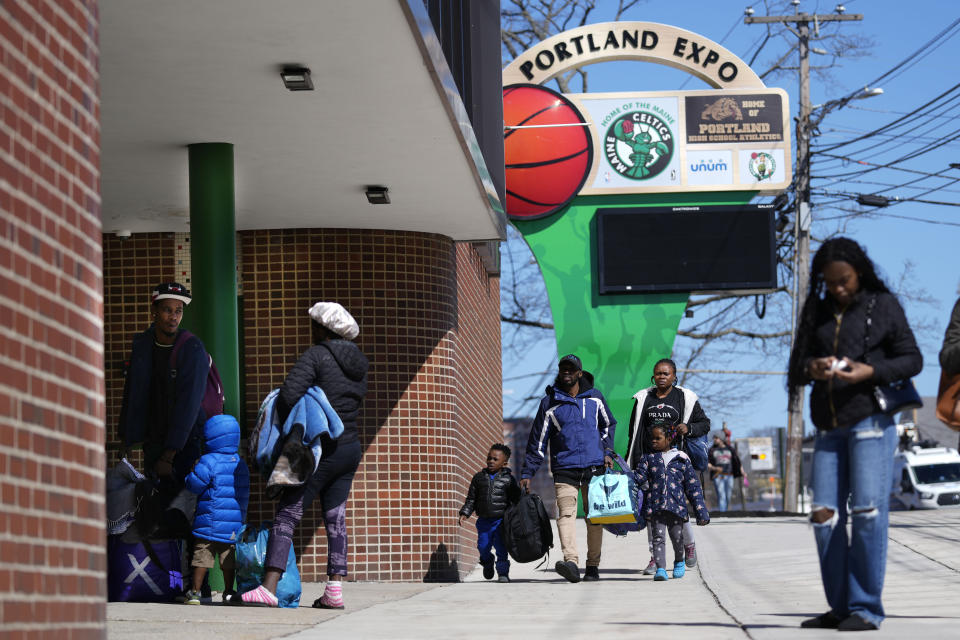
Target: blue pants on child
[488,535]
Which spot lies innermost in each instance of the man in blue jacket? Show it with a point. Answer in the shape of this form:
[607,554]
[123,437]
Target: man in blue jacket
[161,404]
[576,422]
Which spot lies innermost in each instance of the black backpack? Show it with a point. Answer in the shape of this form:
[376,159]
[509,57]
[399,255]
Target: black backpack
[526,529]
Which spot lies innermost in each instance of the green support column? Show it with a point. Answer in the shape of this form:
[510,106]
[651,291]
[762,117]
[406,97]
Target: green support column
[213,256]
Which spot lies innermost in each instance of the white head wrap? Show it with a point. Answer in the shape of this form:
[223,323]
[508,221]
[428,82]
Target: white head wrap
[335,318]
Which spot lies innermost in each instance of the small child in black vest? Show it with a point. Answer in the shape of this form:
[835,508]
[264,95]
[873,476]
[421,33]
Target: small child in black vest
[492,490]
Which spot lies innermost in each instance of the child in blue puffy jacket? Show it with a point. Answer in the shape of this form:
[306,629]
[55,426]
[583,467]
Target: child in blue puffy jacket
[222,481]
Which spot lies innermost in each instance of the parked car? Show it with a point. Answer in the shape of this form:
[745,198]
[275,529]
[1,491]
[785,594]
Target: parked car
[927,478]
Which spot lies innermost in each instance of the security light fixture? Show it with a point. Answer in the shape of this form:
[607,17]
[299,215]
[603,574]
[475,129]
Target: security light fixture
[748,11]
[296,78]
[377,194]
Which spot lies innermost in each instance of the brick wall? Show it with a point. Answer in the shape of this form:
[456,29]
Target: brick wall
[52,556]
[429,323]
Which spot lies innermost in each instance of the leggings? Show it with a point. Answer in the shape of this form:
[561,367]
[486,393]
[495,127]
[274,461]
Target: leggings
[331,483]
[663,523]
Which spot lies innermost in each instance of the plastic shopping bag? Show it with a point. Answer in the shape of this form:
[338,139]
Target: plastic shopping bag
[612,498]
[252,553]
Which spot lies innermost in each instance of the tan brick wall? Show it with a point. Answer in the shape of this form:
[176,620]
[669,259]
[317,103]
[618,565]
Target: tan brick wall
[52,555]
[429,322]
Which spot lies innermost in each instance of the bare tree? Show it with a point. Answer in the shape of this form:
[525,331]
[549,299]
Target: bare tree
[728,328]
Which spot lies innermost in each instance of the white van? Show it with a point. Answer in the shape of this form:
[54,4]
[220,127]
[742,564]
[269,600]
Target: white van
[926,478]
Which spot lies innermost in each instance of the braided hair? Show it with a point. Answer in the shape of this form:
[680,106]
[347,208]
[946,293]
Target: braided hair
[838,249]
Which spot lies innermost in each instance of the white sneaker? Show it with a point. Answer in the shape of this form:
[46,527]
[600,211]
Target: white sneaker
[651,568]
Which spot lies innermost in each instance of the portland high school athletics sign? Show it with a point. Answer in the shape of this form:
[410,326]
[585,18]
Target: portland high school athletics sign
[686,141]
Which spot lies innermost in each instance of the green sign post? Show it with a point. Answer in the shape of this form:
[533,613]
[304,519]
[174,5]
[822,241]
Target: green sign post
[618,337]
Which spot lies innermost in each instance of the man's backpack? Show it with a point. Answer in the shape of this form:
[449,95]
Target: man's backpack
[526,529]
[212,403]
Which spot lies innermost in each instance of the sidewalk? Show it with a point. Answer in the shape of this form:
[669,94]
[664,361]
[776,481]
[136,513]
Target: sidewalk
[757,578]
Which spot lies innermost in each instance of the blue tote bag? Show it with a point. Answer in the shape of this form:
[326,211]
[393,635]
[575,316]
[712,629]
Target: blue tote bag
[613,499]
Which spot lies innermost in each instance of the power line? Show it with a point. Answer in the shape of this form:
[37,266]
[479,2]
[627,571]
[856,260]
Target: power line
[913,58]
[893,123]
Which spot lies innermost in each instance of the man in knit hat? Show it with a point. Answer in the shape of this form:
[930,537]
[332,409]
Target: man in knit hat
[162,403]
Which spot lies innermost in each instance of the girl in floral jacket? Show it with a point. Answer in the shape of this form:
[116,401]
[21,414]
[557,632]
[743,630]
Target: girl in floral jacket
[670,482]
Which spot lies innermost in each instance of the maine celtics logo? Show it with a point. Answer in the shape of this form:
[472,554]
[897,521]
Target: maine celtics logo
[639,145]
[761,165]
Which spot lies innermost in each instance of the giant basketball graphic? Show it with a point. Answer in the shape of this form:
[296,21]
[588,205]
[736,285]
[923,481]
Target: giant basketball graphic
[548,157]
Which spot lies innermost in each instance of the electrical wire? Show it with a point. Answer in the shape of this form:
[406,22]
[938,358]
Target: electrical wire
[916,56]
[893,123]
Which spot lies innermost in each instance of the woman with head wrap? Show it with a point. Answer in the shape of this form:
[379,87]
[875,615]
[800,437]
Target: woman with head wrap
[336,365]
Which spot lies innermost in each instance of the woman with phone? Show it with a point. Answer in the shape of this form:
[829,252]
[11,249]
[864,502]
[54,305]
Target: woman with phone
[852,336]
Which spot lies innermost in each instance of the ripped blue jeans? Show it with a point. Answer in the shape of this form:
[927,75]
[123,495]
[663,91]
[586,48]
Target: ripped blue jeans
[854,463]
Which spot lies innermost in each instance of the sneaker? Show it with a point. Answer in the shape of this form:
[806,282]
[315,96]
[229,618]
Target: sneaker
[592,574]
[828,620]
[191,597]
[259,597]
[231,597]
[327,602]
[651,568]
[661,575]
[679,569]
[488,572]
[503,578]
[855,623]
[691,554]
[568,570]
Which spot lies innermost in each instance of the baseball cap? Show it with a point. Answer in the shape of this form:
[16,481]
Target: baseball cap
[571,359]
[173,290]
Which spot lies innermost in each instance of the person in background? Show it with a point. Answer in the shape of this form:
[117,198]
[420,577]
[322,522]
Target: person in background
[491,491]
[574,419]
[852,336]
[724,466]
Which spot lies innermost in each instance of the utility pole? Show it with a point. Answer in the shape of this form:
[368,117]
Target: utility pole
[801,275]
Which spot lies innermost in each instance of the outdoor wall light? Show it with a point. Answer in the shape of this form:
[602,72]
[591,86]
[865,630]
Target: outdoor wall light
[296,78]
[377,195]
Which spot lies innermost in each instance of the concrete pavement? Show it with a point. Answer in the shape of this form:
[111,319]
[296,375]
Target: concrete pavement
[756,578]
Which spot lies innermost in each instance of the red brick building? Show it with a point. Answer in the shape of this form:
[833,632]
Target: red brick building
[90,222]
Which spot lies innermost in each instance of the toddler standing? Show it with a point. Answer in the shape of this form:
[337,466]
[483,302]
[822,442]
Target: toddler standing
[222,481]
[669,476]
[492,490]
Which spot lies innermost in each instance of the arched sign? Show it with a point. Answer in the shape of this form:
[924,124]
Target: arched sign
[644,41]
[633,154]
[735,137]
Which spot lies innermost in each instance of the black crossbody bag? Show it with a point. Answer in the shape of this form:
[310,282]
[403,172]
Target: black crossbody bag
[893,397]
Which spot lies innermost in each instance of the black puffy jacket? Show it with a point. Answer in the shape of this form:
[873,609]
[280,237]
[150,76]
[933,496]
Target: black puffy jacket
[490,498]
[891,350]
[340,369]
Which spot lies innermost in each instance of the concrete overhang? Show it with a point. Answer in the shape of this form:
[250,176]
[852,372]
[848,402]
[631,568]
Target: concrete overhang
[385,111]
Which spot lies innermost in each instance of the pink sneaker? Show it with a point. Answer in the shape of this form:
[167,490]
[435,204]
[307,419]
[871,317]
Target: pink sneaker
[259,597]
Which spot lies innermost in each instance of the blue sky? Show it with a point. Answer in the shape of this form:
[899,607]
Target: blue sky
[926,235]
